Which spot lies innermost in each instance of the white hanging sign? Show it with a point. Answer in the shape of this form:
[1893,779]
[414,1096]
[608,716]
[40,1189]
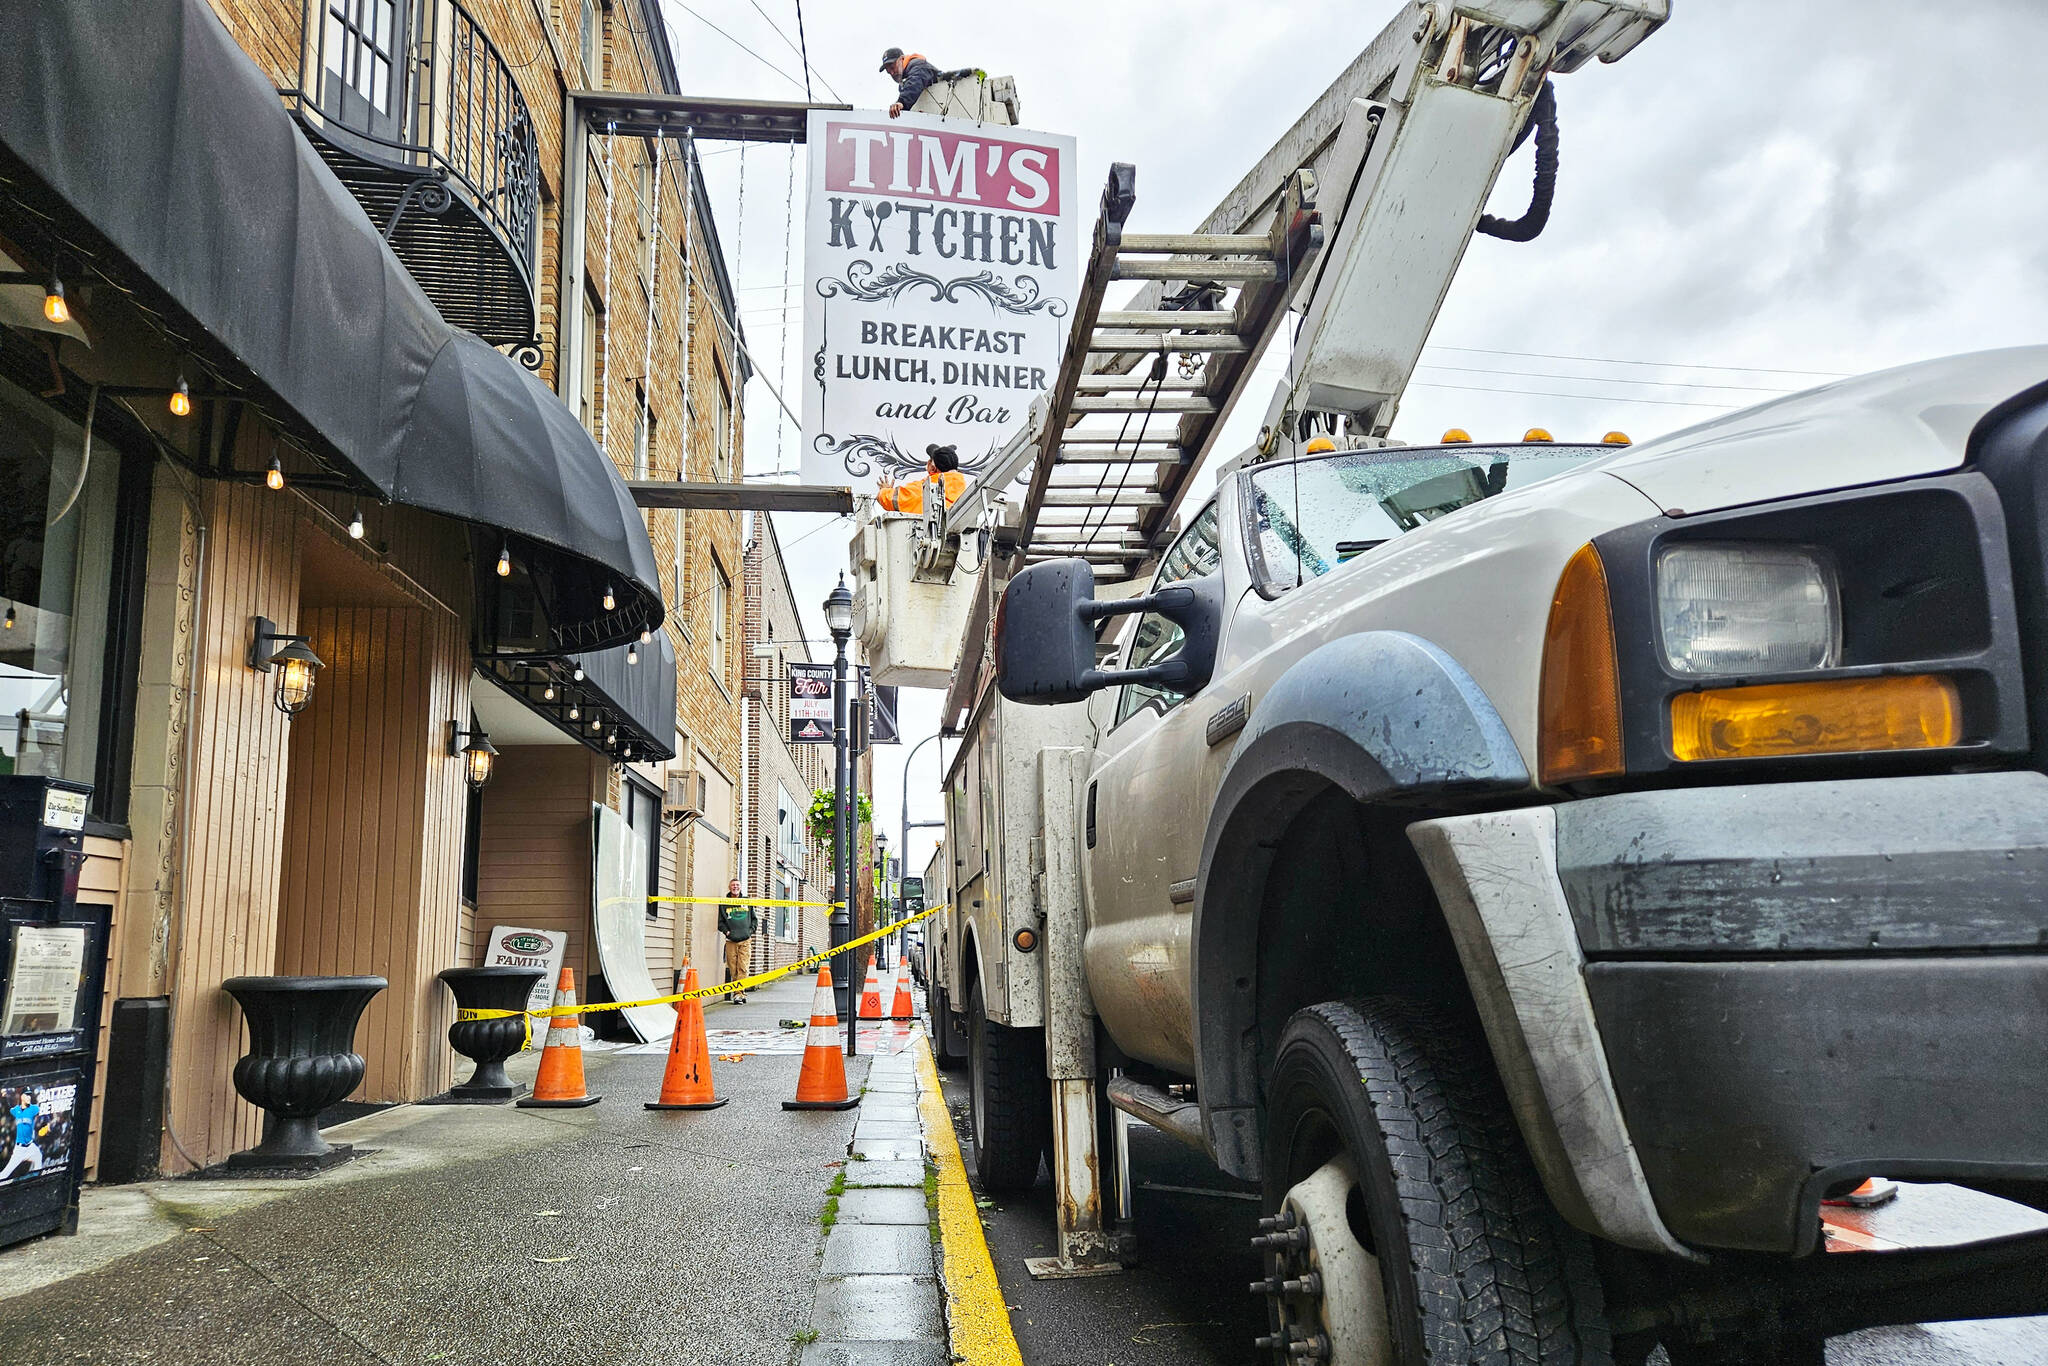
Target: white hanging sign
[942,259]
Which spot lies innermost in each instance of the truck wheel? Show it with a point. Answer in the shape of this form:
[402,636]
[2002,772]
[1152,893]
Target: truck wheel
[1009,1097]
[948,1051]
[1411,1199]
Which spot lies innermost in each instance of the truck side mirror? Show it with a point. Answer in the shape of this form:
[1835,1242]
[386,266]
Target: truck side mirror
[1045,634]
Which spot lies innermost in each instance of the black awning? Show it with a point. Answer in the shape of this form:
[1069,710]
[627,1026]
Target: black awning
[623,707]
[491,444]
[138,142]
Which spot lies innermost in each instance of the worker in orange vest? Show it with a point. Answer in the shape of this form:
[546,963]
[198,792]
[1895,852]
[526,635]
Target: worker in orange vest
[941,463]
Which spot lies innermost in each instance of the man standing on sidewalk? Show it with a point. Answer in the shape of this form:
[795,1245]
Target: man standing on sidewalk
[736,923]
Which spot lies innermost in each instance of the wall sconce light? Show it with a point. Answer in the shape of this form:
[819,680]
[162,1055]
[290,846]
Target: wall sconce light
[479,756]
[294,660]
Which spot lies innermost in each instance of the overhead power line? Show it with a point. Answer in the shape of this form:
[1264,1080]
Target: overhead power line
[1582,398]
[740,45]
[1603,379]
[1654,364]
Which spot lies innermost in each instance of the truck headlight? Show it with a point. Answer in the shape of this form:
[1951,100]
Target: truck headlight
[1727,609]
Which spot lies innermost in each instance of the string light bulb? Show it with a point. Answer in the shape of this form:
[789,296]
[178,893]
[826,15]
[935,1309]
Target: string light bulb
[181,398]
[10,616]
[54,307]
[548,693]
[274,477]
[632,654]
[355,525]
[505,562]
[579,673]
[575,713]
[646,636]
[597,723]
[610,603]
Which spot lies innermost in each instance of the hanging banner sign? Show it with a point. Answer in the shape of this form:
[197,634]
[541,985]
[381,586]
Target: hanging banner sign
[941,262]
[810,704]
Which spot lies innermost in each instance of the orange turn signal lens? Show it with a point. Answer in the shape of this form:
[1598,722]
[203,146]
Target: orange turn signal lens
[1842,716]
[1578,707]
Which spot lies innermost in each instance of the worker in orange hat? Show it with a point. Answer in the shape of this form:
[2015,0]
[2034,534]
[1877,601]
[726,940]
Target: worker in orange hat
[941,463]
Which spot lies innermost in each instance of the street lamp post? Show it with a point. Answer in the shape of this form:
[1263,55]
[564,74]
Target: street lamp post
[839,621]
[882,916]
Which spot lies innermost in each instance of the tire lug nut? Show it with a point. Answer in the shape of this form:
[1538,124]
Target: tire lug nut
[1284,1219]
[1316,1348]
[1292,1238]
[1309,1283]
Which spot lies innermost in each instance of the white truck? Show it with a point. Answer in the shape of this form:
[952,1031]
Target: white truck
[1548,870]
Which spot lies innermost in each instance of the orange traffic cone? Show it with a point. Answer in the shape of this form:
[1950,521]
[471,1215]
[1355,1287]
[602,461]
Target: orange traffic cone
[686,1085]
[559,1086]
[871,997]
[822,1083]
[901,1008]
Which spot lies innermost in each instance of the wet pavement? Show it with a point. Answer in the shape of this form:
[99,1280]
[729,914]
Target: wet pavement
[1186,1303]
[478,1235]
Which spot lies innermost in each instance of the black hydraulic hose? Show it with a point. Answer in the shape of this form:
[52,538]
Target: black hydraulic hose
[1544,119]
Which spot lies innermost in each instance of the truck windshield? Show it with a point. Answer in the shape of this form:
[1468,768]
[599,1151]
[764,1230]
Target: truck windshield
[1318,513]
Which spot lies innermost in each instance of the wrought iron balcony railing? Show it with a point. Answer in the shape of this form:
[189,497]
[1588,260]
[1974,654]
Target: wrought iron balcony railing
[415,110]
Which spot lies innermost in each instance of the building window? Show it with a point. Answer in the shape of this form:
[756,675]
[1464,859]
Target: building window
[643,813]
[643,434]
[71,584]
[586,400]
[721,459]
[681,614]
[721,590]
[588,35]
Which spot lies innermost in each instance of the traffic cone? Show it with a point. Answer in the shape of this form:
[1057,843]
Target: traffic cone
[822,1083]
[871,997]
[559,1085]
[901,1008]
[686,1085]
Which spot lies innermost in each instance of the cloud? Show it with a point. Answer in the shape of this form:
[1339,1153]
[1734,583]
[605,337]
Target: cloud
[1834,185]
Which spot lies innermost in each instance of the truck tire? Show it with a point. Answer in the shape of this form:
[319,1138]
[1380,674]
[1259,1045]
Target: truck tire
[1454,1253]
[1009,1098]
[949,1049]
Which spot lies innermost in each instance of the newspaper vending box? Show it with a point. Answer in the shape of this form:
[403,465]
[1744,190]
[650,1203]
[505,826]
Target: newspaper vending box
[52,960]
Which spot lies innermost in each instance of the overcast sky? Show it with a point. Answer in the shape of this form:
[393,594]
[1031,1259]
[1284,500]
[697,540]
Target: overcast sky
[1800,190]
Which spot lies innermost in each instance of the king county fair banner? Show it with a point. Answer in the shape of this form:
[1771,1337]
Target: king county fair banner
[941,261]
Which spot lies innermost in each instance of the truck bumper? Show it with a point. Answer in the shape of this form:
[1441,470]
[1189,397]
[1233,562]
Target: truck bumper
[1710,1005]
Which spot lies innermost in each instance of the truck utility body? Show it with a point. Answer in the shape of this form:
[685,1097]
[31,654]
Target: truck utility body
[1549,870]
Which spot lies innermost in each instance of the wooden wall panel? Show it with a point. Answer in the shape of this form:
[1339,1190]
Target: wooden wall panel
[236,789]
[534,863]
[373,831]
[102,882]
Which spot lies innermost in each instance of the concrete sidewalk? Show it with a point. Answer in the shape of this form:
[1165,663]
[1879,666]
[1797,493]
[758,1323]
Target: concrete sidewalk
[482,1235]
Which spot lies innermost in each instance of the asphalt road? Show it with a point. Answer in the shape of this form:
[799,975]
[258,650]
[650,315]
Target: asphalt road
[1186,1303]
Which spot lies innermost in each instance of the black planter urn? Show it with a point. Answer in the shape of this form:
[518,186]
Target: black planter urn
[301,1060]
[487,1043]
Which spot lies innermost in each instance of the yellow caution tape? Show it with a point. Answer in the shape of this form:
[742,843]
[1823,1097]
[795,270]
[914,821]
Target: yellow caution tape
[743,984]
[747,901]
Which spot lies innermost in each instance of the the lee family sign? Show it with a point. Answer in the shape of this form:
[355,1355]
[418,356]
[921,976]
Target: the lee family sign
[941,259]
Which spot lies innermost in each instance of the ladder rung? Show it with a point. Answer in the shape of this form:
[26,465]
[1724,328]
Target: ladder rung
[1168,317]
[1089,498]
[1159,341]
[1091,555]
[1194,268]
[1198,243]
[1105,382]
[1142,403]
[1159,455]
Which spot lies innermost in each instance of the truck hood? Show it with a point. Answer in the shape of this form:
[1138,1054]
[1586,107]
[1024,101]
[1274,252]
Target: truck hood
[1894,424]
